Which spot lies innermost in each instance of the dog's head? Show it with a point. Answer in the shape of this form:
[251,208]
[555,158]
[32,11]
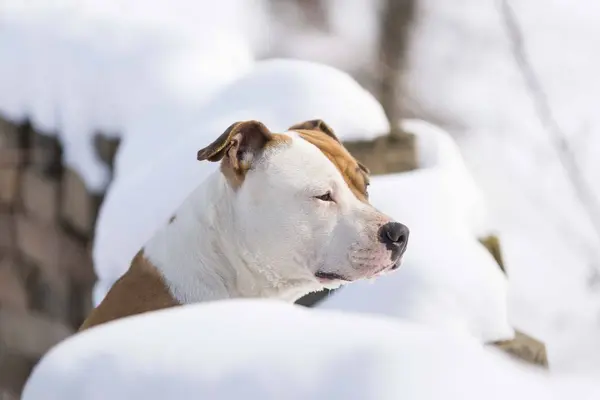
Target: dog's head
[300,201]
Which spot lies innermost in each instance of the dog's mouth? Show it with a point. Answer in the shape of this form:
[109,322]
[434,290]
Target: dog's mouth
[328,277]
[325,277]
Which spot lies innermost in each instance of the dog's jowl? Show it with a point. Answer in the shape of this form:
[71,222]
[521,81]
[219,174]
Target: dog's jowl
[285,214]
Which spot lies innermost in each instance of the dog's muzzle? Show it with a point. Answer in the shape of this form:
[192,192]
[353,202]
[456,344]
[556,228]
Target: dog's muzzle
[394,236]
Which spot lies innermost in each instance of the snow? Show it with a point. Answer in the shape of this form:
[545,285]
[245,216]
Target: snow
[462,71]
[264,349]
[447,279]
[438,152]
[160,173]
[76,68]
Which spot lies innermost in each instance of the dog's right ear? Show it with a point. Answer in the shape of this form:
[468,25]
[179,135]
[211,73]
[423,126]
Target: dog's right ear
[316,125]
[239,143]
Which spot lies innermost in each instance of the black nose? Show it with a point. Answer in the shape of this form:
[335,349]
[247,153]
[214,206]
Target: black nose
[395,236]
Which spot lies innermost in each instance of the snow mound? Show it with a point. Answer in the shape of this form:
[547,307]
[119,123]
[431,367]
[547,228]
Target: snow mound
[76,68]
[438,152]
[153,177]
[448,279]
[260,349]
[276,91]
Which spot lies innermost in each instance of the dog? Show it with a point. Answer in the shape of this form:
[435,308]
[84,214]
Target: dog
[286,214]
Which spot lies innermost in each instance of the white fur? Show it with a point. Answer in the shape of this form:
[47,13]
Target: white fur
[269,237]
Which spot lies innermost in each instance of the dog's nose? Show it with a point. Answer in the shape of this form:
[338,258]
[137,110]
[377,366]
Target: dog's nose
[395,235]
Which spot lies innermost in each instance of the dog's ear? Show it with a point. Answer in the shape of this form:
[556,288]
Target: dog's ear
[316,125]
[240,142]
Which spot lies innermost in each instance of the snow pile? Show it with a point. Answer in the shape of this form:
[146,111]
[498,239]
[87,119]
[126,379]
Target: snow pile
[448,279]
[462,71]
[116,66]
[438,153]
[154,177]
[260,349]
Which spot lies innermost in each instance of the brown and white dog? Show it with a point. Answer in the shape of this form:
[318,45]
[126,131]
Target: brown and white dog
[286,214]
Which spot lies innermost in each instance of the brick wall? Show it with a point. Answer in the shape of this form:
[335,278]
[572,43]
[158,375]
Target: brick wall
[46,227]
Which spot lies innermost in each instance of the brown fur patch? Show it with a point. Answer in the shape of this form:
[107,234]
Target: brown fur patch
[355,176]
[139,290]
[278,139]
[234,176]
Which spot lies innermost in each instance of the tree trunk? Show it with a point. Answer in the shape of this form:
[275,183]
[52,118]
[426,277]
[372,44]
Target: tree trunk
[396,20]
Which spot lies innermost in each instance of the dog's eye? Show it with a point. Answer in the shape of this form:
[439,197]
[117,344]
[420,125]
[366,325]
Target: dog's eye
[325,197]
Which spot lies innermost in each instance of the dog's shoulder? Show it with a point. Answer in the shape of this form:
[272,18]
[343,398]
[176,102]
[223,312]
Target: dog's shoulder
[142,288]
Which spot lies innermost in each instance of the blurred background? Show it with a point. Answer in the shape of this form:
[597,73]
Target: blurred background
[513,82]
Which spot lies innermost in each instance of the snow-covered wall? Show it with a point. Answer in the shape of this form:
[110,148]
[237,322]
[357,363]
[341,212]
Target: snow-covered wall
[143,71]
[463,73]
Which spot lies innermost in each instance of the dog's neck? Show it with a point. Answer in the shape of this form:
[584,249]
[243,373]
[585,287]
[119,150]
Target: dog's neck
[194,258]
[187,251]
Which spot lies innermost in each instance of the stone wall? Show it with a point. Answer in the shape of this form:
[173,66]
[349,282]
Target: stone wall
[386,154]
[47,218]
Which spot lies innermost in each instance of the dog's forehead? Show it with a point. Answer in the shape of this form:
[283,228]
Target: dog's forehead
[341,159]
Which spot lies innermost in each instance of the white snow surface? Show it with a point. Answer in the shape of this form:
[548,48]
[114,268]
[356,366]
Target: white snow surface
[447,279]
[116,66]
[152,178]
[264,349]
[438,153]
[462,71]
